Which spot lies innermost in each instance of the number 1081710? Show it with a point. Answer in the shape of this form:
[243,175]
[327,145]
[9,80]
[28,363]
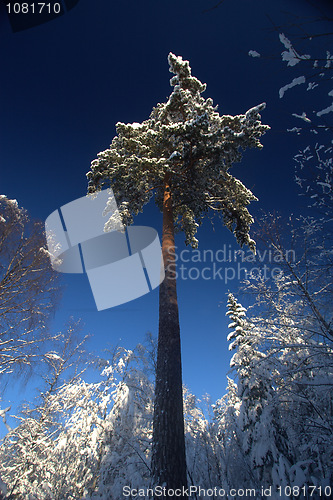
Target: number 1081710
[33,8]
[305,491]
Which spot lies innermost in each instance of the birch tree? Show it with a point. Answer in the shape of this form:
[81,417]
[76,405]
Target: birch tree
[83,439]
[26,455]
[27,288]
[294,314]
[181,154]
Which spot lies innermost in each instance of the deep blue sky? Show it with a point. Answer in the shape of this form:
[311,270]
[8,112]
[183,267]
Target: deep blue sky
[65,84]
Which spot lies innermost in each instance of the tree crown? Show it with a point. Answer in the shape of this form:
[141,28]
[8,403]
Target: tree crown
[187,140]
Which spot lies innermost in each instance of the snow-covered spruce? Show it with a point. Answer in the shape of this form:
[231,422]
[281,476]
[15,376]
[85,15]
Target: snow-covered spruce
[258,429]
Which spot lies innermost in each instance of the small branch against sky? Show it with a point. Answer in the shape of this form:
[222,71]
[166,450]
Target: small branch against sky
[213,7]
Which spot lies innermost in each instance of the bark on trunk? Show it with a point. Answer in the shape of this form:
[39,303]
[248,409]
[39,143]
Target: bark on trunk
[168,454]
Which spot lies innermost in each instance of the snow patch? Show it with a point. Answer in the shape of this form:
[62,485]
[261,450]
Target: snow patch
[296,81]
[302,117]
[291,56]
[325,111]
[254,53]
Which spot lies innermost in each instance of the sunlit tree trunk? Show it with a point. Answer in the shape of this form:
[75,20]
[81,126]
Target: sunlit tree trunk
[188,136]
[168,457]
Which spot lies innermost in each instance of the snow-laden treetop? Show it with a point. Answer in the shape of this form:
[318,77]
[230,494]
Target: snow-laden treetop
[187,141]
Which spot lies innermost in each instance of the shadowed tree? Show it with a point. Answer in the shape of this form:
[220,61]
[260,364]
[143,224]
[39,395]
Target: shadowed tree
[182,154]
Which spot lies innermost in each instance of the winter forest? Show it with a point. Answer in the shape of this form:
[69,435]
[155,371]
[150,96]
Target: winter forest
[121,422]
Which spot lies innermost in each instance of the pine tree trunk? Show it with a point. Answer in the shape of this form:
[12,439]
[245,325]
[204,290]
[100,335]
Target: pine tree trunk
[168,454]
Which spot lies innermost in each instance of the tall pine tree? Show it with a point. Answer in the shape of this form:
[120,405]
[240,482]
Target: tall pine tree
[182,154]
